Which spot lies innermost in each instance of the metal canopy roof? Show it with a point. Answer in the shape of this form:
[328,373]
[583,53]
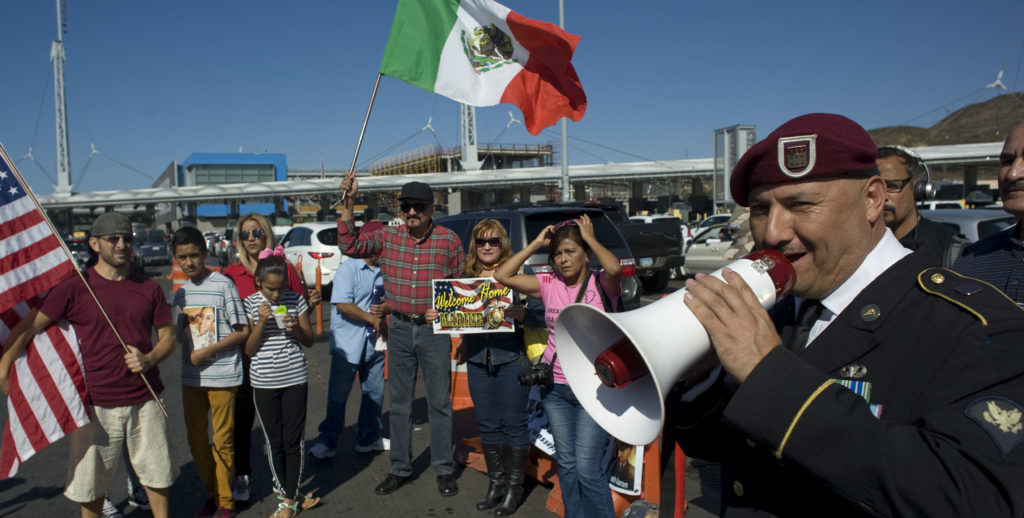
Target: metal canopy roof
[369,184]
[973,154]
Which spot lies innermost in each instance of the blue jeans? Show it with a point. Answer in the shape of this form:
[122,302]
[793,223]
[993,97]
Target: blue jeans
[412,346]
[371,380]
[579,447]
[499,402]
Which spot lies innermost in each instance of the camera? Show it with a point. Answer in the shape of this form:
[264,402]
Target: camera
[540,374]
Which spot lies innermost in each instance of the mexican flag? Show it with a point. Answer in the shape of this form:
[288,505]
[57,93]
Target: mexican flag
[479,52]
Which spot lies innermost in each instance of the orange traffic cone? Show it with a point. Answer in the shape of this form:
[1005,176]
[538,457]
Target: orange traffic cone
[177,277]
[460,381]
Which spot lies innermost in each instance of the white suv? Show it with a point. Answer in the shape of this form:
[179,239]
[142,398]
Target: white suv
[313,242]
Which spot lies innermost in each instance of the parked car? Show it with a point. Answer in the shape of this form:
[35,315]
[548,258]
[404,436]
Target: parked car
[524,221]
[713,219]
[707,250]
[212,238]
[152,245]
[975,224]
[314,242]
[79,248]
[684,229]
[656,245]
[227,252]
[939,204]
[280,230]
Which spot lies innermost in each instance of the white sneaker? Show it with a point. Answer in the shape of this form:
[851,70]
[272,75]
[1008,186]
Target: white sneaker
[382,444]
[320,451]
[110,510]
[241,490]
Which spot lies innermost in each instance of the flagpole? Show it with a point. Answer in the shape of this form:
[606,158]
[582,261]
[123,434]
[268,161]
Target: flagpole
[64,246]
[359,143]
[566,185]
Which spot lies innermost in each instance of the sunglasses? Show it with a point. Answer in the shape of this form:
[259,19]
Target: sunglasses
[114,238]
[256,234]
[420,206]
[567,223]
[484,241]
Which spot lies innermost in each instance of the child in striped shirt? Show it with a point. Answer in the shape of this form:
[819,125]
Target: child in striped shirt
[279,319]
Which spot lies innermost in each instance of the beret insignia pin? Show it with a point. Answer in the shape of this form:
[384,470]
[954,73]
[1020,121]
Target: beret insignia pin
[797,155]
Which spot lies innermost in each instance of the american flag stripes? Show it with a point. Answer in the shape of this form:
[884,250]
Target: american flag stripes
[32,259]
[47,390]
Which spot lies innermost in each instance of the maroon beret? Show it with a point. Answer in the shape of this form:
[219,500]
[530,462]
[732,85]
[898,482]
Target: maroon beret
[810,146]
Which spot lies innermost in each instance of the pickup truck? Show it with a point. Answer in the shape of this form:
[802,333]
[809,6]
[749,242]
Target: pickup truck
[657,246]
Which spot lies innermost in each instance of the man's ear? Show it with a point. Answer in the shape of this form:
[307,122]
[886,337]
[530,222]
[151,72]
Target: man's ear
[874,198]
[94,244]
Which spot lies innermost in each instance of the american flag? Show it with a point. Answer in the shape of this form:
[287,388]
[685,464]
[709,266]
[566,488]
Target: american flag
[46,383]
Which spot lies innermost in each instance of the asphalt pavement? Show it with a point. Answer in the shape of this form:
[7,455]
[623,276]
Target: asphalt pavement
[345,483]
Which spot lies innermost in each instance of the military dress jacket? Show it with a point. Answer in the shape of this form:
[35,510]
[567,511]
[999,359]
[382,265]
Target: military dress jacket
[908,404]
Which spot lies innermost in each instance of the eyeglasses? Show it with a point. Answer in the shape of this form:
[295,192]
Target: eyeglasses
[256,234]
[896,185]
[567,223]
[114,238]
[420,206]
[484,241]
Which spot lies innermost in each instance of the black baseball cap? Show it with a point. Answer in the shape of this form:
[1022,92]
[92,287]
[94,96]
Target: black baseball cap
[417,191]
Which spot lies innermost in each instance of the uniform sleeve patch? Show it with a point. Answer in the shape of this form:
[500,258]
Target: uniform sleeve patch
[1001,418]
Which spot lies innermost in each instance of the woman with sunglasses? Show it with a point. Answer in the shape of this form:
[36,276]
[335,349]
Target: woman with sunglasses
[579,441]
[253,234]
[494,363]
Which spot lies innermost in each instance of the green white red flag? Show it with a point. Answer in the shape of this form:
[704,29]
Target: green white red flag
[481,53]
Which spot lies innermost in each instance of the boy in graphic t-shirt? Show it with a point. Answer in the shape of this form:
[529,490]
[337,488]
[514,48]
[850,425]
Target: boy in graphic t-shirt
[211,326]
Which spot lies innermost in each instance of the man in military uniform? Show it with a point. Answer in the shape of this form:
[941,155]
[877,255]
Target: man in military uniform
[999,258]
[897,391]
[904,174]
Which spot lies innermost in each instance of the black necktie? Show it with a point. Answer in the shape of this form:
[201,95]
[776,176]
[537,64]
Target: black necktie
[810,311]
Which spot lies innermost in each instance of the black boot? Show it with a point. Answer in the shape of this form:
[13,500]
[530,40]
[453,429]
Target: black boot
[495,459]
[516,463]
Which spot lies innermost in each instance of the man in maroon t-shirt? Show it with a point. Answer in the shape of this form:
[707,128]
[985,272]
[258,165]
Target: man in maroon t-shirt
[123,411]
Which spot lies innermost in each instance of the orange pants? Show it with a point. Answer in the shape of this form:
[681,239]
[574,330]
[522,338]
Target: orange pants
[213,408]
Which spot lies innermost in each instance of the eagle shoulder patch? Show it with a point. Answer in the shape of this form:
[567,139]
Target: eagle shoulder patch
[1001,418]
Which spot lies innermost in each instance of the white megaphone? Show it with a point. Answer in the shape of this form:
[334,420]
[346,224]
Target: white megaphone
[620,365]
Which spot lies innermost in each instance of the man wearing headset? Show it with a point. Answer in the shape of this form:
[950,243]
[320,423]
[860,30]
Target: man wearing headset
[906,183]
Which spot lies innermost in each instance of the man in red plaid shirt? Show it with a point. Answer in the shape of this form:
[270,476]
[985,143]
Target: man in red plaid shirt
[412,255]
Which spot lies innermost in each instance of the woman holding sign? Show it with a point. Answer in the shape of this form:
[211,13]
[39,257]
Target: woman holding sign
[579,441]
[494,363]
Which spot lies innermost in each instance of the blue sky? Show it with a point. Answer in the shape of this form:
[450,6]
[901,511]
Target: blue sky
[152,82]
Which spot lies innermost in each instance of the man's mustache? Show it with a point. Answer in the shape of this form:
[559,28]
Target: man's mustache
[1016,185]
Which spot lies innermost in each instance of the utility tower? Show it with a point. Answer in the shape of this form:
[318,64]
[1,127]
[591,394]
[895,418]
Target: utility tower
[63,187]
[470,158]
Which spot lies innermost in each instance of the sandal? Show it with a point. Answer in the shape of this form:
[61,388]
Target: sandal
[309,501]
[281,506]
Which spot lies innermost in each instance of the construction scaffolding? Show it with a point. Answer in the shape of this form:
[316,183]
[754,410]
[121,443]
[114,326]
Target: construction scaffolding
[436,159]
